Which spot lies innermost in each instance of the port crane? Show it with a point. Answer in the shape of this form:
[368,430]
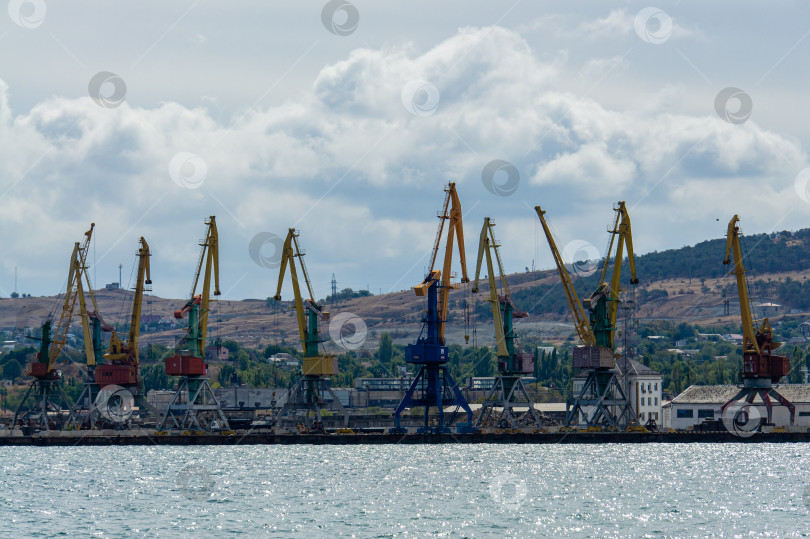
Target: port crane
[310,392]
[508,389]
[761,367]
[602,401]
[118,376]
[194,405]
[85,413]
[433,386]
[45,399]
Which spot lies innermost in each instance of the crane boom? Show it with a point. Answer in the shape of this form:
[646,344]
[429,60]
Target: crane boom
[144,278]
[77,261]
[581,325]
[733,245]
[487,242]
[289,252]
[198,304]
[451,212]
[120,352]
[623,236]
[307,312]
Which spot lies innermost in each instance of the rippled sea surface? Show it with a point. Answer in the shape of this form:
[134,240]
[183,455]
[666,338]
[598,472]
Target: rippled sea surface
[400,491]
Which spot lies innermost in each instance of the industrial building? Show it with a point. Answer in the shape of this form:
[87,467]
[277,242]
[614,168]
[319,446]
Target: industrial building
[698,404]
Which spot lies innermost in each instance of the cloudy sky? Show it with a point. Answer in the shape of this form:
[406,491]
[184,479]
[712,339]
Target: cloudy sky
[344,121]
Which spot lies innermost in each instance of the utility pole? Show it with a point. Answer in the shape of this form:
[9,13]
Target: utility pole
[120,283]
[15,279]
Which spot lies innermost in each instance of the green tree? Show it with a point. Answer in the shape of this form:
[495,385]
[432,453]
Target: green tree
[12,370]
[385,353]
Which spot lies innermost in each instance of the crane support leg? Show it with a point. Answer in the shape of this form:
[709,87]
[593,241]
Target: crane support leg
[194,407]
[44,406]
[507,393]
[601,402]
[433,386]
[308,395]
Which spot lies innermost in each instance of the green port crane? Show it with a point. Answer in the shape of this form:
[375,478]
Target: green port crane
[602,400]
[310,392]
[194,407]
[508,389]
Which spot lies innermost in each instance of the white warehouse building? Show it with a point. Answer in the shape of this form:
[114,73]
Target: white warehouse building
[702,403]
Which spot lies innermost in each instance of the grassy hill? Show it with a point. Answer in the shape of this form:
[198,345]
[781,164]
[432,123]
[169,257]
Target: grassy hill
[689,284]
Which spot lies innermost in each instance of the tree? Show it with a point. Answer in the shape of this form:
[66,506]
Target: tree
[484,365]
[12,370]
[385,352]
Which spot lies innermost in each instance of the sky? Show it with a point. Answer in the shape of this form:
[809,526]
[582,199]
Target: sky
[345,120]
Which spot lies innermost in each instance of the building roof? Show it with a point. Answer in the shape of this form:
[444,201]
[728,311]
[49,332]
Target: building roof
[637,369]
[795,393]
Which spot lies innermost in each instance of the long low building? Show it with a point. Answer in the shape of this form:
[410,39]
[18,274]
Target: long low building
[698,404]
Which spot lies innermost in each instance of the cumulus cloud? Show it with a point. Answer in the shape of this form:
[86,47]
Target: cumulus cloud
[361,176]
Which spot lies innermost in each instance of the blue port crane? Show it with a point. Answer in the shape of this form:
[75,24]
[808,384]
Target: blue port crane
[433,386]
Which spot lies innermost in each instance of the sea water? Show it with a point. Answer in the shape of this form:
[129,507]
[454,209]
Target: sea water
[453,490]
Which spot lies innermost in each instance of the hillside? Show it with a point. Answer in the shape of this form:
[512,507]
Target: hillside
[682,285]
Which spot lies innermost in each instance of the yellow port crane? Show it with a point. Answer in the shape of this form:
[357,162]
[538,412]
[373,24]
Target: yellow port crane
[121,360]
[44,402]
[310,391]
[602,400]
[508,389]
[761,367]
[83,415]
